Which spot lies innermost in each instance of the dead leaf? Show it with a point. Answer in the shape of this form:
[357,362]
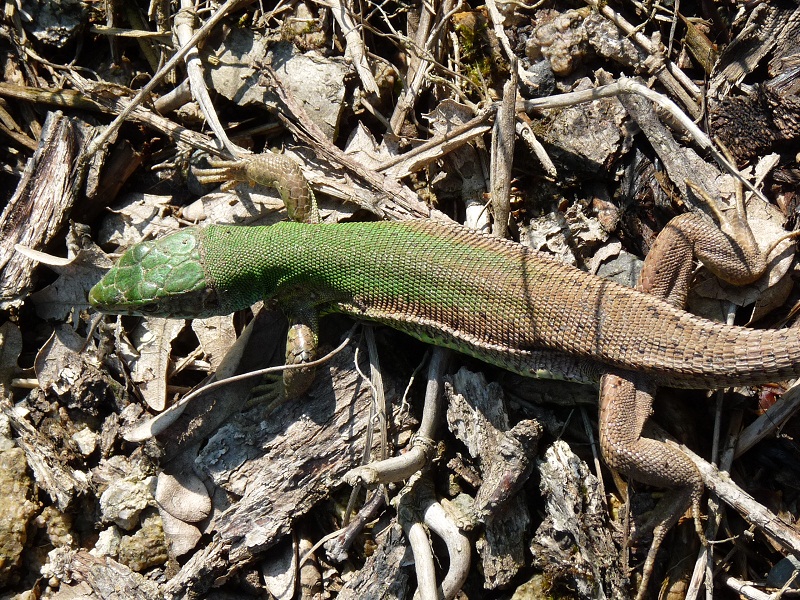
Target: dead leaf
[153,338]
[216,335]
[136,217]
[64,367]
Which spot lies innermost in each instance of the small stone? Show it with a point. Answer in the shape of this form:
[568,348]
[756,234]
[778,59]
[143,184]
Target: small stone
[58,526]
[125,499]
[146,548]
[107,543]
[86,440]
[16,510]
[6,443]
[54,23]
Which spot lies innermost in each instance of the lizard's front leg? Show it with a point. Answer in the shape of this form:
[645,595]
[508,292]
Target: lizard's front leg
[301,348]
[302,341]
[270,170]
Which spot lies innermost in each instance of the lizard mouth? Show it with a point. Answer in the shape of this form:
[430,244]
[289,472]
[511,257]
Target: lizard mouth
[103,298]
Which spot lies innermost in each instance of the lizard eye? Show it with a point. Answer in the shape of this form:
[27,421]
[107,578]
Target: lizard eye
[148,308]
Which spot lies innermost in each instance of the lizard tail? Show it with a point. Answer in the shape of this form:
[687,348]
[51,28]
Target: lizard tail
[707,354]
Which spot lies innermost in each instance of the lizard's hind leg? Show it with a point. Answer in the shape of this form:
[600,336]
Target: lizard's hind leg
[626,399]
[625,405]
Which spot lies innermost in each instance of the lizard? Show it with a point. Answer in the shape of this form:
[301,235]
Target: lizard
[493,299]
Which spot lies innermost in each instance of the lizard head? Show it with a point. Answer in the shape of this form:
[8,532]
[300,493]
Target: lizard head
[161,278]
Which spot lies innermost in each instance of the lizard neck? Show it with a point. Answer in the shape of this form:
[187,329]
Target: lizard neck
[248,264]
[298,264]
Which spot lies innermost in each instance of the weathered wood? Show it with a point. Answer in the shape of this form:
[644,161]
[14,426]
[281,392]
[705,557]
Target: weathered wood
[107,578]
[281,464]
[41,203]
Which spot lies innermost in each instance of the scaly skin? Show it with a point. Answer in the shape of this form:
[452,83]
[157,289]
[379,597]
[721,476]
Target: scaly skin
[270,170]
[492,299]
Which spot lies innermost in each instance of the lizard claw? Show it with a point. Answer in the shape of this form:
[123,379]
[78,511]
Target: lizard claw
[269,170]
[667,512]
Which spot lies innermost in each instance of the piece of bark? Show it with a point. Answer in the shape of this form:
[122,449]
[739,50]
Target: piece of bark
[386,574]
[41,204]
[106,577]
[281,464]
[477,416]
[766,117]
[573,545]
[48,463]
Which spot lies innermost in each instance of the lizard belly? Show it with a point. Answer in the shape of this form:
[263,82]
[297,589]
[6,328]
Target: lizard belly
[538,363]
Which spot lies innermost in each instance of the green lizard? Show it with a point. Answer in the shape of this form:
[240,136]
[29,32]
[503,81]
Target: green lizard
[490,298]
[493,299]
